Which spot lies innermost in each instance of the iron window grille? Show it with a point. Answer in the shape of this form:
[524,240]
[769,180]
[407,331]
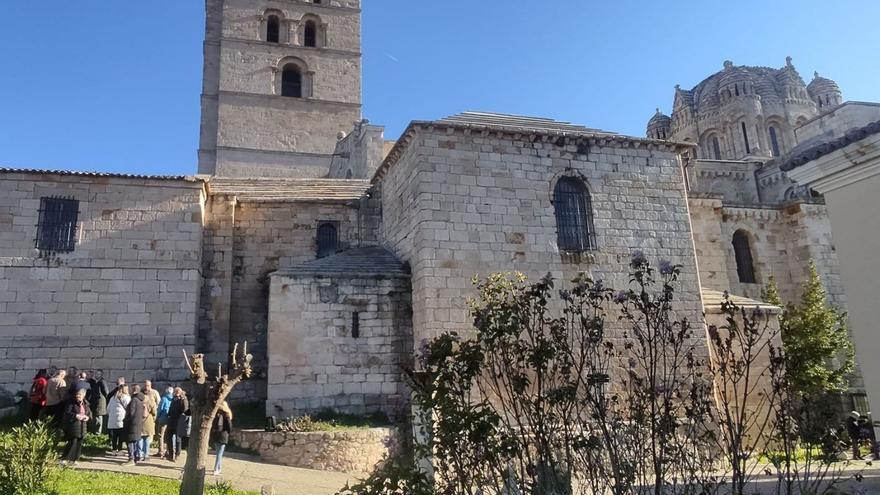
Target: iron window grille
[574,216]
[742,251]
[328,240]
[57,224]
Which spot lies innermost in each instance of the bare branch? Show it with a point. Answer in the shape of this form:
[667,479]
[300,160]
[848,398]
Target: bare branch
[188,365]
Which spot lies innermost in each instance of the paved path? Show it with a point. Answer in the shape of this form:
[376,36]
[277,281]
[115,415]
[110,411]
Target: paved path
[243,471]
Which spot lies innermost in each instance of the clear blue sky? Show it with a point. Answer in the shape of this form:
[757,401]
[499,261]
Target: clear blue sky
[114,85]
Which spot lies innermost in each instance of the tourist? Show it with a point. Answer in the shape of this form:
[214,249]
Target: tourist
[38,394]
[220,429]
[855,433]
[179,404]
[162,418]
[56,393]
[119,382]
[81,383]
[184,428]
[116,417]
[77,415]
[151,392]
[134,425]
[149,429]
[98,400]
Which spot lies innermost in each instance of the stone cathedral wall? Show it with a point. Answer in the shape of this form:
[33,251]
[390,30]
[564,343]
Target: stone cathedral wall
[125,300]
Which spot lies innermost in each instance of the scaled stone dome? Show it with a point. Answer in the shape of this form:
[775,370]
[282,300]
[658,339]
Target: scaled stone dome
[822,86]
[658,126]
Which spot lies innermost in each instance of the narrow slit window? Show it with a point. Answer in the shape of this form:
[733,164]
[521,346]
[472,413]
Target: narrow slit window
[273,29]
[355,325]
[57,225]
[745,137]
[774,141]
[716,148]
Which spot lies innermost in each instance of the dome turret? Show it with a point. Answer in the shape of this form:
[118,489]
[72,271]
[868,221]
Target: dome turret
[659,126]
[825,92]
[734,82]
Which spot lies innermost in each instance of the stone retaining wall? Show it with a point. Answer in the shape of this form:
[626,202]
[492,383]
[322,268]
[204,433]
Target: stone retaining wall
[349,451]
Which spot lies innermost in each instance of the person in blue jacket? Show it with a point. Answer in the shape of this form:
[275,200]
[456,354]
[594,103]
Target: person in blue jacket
[162,417]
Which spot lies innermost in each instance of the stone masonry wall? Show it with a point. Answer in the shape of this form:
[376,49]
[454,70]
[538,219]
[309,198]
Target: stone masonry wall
[244,244]
[458,204]
[125,300]
[315,360]
[349,451]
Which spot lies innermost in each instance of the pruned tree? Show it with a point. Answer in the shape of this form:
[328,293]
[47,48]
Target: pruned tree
[207,393]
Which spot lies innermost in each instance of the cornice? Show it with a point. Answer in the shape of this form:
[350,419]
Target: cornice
[841,168]
[293,48]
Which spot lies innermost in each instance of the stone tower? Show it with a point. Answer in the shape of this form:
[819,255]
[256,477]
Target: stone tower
[282,79]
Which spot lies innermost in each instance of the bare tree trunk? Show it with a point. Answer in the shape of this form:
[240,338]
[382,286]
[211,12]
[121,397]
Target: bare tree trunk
[207,395]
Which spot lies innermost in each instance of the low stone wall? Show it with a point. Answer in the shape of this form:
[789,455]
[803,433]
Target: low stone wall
[349,451]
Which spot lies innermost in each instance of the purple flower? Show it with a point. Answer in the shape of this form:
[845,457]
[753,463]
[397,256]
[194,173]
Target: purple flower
[620,297]
[638,259]
[666,267]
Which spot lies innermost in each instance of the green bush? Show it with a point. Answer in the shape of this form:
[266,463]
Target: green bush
[28,454]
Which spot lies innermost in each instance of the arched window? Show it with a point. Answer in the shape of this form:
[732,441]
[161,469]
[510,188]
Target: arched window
[774,141]
[291,81]
[574,216]
[310,34]
[716,148]
[273,29]
[742,250]
[328,240]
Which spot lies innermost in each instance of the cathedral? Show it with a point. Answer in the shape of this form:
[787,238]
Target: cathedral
[335,252]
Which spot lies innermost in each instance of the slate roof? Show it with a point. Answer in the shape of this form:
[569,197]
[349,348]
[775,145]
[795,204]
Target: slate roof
[366,262]
[712,301]
[77,173]
[279,190]
[819,150]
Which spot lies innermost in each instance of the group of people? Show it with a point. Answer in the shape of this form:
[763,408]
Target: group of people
[133,416]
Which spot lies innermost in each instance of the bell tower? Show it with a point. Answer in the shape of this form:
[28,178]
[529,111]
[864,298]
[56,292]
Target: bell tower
[282,79]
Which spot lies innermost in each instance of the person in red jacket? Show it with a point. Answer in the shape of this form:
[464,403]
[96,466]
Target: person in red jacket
[38,393]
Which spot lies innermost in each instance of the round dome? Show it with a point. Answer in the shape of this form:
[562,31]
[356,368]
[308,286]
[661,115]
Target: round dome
[658,126]
[822,86]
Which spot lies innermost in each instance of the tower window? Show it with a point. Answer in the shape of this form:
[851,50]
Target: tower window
[745,137]
[716,148]
[774,141]
[291,81]
[328,240]
[742,250]
[273,29]
[574,216]
[56,227]
[310,36]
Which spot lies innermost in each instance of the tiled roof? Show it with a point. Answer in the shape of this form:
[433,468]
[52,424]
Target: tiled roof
[278,190]
[712,301]
[10,170]
[799,158]
[517,123]
[366,261]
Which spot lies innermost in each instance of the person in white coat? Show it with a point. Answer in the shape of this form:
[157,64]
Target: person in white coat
[116,417]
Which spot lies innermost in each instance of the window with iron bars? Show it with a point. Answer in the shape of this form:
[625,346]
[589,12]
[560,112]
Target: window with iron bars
[574,216]
[57,225]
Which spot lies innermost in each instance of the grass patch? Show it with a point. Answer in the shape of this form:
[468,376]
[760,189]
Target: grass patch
[75,482]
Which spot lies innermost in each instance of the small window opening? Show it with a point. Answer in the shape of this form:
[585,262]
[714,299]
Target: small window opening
[774,141]
[273,29]
[355,324]
[328,240]
[56,226]
[291,82]
[746,137]
[574,216]
[716,147]
[310,37]
[742,250]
